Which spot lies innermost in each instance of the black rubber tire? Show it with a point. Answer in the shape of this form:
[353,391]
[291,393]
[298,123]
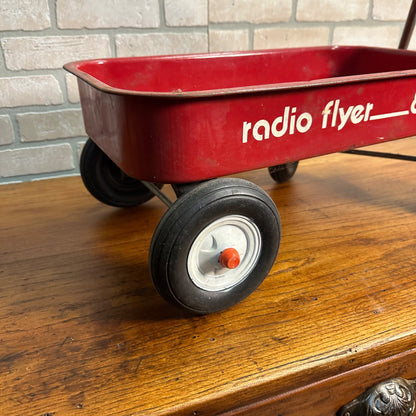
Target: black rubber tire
[183,222]
[282,173]
[107,182]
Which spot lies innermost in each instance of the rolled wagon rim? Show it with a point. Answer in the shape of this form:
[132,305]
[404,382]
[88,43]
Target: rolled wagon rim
[73,67]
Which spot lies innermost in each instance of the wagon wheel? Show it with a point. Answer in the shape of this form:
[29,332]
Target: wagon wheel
[215,245]
[282,173]
[107,182]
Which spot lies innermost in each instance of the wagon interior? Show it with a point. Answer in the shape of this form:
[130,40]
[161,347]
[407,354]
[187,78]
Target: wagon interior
[216,72]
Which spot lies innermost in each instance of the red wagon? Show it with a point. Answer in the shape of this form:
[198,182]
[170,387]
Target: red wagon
[185,120]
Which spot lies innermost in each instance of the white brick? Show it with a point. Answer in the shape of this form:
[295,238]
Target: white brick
[228,40]
[252,11]
[77,14]
[412,43]
[51,125]
[80,148]
[35,160]
[52,51]
[391,10]
[31,90]
[290,37]
[186,12]
[24,15]
[161,43]
[332,10]
[72,88]
[385,36]
[6,130]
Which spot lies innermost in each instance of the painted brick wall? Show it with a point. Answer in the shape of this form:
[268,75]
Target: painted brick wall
[41,129]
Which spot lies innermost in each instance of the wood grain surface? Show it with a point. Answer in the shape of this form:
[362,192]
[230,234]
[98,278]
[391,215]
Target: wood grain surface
[83,331]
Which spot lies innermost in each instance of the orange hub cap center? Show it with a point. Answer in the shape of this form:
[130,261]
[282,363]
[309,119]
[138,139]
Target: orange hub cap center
[229,258]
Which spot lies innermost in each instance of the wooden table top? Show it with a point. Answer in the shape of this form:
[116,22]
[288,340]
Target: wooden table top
[83,331]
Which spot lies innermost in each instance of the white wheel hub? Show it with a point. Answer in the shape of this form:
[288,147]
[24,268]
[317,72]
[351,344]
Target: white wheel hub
[232,231]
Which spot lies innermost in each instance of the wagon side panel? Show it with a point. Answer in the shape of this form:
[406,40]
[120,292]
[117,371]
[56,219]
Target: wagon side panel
[103,115]
[219,136]
[125,128]
[184,139]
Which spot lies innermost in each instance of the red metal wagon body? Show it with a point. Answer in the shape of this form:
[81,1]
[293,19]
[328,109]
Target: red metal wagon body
[186,118]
